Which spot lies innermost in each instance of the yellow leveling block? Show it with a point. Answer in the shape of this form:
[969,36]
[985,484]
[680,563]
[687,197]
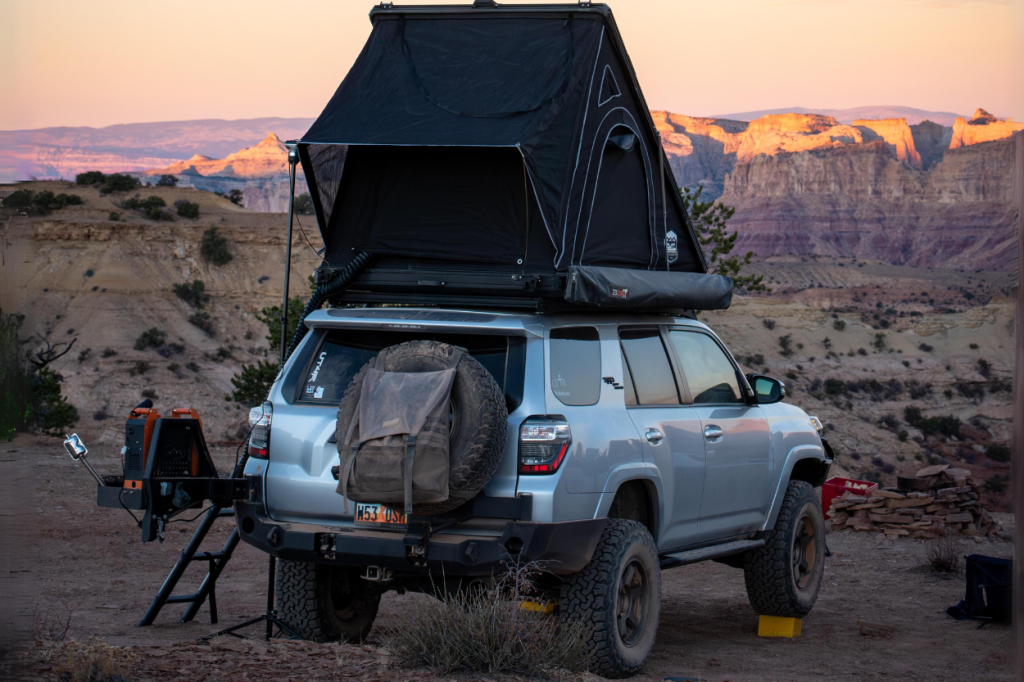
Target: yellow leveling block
[774,626]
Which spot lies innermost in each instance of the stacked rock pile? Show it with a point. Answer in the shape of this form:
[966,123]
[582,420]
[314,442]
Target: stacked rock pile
[937,501]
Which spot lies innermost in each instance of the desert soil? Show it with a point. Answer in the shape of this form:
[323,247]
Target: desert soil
[77,571]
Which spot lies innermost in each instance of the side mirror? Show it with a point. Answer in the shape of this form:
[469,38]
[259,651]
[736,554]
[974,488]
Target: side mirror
[767,390]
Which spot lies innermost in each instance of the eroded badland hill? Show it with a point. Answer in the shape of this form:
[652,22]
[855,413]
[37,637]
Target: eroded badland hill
[857,342]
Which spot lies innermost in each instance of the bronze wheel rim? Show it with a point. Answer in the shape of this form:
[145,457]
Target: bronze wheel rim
[804,552]
[631,602]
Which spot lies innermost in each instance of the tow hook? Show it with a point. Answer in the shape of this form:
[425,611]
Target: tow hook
[376,574]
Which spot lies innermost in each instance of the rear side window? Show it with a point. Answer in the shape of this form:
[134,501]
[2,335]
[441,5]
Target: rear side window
[576,365]
[649,367]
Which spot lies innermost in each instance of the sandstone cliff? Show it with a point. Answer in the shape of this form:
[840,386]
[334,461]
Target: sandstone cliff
[899,140]
[859,201]
[984,127]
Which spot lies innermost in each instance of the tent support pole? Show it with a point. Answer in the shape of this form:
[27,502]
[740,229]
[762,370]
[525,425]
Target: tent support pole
[1017,465]
[664,199]
[293,159]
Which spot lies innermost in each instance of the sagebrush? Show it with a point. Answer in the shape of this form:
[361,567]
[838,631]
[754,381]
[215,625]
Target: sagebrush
[487,632]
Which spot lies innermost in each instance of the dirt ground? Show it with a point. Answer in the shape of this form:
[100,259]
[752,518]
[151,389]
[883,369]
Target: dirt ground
[72,570]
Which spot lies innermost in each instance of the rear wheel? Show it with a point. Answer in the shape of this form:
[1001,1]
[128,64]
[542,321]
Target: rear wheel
[617,596]
[325,603]
[783,577]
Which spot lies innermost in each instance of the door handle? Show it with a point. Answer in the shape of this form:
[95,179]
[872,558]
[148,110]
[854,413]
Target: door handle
[654,436]
[713,433]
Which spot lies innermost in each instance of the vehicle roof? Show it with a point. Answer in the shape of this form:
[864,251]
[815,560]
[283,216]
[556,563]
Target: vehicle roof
[478,321]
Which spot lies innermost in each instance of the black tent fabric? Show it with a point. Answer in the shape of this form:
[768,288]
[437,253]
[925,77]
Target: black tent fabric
[458,130]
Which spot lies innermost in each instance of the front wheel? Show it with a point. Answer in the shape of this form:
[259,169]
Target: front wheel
[617,597]
[783,577]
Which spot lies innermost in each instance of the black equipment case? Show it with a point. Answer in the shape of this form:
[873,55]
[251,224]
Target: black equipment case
[484,154]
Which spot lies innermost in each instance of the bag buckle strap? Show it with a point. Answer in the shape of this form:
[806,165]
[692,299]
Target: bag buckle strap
[410,454]
[348,471]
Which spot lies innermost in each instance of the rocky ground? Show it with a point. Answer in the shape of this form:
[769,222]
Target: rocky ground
[80,572]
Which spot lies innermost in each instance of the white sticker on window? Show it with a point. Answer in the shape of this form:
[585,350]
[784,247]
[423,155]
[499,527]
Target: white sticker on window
[316,370]
[319,392]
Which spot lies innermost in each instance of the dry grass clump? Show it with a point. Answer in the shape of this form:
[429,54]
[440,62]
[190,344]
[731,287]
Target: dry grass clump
[945,555]
[90,661]
[487,632]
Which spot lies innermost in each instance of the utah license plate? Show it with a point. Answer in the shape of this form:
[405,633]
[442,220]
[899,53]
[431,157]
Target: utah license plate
[379,514]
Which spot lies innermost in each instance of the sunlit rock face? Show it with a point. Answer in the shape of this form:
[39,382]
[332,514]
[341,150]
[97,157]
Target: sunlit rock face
[983,127]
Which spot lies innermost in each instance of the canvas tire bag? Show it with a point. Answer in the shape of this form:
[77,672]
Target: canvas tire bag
[396,449]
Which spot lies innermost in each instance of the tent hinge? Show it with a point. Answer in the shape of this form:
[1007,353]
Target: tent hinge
[584,3]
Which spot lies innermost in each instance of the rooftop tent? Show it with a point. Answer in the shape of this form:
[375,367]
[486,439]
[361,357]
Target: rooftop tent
[496,138]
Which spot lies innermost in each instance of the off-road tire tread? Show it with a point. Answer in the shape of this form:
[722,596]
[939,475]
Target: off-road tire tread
[767,571]
[589,595]
[302,606]
[473,466]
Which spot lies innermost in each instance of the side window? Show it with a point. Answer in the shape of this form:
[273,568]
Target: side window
[576,365]
[709,374]
[649,367]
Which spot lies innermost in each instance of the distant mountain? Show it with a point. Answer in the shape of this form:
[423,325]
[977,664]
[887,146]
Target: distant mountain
[65,152]
[848,116]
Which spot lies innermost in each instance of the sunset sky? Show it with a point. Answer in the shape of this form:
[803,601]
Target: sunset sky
[102,62]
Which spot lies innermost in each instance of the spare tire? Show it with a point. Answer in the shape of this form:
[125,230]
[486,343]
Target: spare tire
[479,416]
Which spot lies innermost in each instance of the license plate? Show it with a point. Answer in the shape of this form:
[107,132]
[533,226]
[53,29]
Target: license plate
[379,515]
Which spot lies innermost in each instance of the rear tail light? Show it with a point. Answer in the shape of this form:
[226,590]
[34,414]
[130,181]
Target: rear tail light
[259,434]
[543,444]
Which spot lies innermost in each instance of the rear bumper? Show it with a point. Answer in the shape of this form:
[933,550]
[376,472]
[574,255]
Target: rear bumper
[561,548]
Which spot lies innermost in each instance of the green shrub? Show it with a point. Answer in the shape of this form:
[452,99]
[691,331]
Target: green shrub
[108,353]
[54,414]
[187,209]
[151,338]
[149,393]
[15,381]
[90,178]
[839,325]
[997,484]
[925,348]
[304,204]
[118,182]
[47,201]
[21,198]
[139,368]
[253,383]
[202,319]
[271,316]
[114,215]
[193,293]
[214,248]
[834,386]
[167,181]
[173,367]
[784,345]
[236,197]
[947,425]
[997,452]
[912,415]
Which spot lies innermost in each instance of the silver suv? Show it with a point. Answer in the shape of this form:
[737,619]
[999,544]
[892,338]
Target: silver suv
[634,444]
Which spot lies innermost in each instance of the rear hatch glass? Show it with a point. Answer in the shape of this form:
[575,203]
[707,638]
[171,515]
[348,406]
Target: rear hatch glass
[342,353]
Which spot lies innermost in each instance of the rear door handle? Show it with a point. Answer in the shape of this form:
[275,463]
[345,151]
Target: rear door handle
[654,436]
[713,433]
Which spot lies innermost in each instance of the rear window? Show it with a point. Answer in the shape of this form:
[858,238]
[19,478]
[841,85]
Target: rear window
[342,353]
[576,365]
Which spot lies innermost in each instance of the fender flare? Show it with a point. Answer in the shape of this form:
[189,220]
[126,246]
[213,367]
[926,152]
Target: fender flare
[796,454]
[624,473]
